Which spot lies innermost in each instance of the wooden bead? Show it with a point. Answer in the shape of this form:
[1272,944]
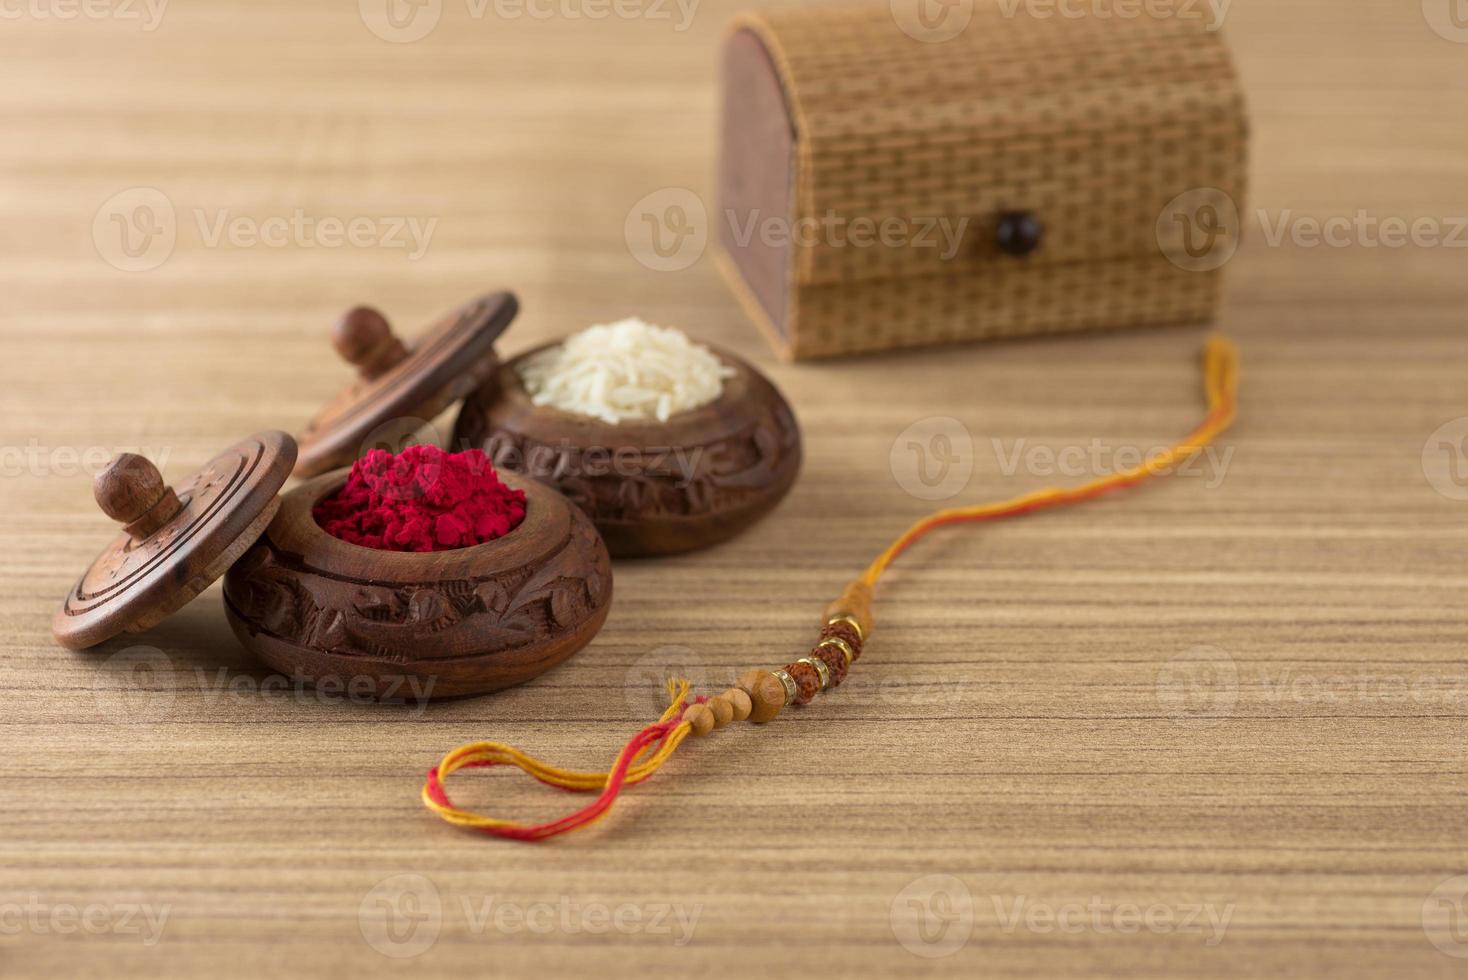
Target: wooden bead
[855,602]
[364,338]
[701,718]
[723,712]
[132,491]
[739,702]
[766,695]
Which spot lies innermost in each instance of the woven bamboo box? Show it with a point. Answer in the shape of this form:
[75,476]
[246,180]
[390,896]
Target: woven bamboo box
[878,190]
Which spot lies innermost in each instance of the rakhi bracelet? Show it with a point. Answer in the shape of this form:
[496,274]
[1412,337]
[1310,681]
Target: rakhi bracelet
[759,695]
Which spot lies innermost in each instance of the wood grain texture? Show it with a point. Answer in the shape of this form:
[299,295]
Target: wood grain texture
[1020,721]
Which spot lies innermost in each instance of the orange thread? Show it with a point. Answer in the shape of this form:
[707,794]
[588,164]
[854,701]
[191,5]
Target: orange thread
[659,741]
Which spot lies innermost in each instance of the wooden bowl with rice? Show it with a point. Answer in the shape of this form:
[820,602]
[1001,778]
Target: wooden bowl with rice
[654,476]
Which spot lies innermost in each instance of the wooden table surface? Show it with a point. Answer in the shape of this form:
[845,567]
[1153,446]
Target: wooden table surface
[1214,728]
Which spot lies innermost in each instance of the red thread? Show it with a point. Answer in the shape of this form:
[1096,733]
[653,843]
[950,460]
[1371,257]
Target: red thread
[423,499]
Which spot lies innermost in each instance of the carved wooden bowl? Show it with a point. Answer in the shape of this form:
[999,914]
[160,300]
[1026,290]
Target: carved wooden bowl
[651,488]
[412,626]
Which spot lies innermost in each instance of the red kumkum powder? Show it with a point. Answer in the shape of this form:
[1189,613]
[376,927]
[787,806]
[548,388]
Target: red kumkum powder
[423,499]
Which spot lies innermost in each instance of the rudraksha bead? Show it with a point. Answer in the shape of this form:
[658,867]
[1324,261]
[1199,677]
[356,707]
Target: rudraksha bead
[807,682]
[847,632]
[834,660]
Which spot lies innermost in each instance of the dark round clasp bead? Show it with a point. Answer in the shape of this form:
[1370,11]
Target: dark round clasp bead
[1018,233]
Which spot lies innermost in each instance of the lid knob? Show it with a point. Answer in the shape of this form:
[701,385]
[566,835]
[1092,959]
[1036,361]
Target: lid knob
[364,338]
[131,490]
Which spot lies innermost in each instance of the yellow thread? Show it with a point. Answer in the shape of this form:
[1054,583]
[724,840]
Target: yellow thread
[581,782]
[1220,380]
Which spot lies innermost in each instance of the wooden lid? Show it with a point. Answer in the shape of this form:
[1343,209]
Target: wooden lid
[174,544]
[452,359]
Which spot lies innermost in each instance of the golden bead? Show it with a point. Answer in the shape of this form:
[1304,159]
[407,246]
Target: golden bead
[766,695]
[701,718]
[739,702]
[723,711]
